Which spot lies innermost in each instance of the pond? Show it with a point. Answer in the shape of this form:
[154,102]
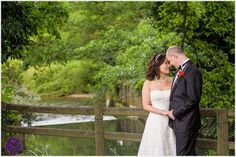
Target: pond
[55,145]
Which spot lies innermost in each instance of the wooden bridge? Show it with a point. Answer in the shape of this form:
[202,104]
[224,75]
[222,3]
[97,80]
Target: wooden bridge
[221,144]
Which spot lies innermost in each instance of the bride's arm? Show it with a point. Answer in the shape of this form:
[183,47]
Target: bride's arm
[147,102]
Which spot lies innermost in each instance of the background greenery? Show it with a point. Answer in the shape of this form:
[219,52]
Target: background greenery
[72,47]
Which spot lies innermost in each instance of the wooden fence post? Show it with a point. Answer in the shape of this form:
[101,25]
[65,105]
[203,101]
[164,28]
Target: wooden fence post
[222,132]
[99,134]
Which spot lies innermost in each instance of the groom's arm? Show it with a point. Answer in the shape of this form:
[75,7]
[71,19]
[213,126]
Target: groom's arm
[194,88]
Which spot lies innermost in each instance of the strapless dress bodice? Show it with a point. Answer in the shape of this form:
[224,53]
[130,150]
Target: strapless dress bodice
[160,99]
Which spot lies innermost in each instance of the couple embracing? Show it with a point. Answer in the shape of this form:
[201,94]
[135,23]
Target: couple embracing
[173,105]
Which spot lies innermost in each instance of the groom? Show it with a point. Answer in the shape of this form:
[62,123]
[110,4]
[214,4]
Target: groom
[184,101]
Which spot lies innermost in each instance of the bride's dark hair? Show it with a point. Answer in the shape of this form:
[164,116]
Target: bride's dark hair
[154,66]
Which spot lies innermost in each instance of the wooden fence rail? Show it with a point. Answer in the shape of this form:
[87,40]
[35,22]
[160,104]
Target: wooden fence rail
[221,144]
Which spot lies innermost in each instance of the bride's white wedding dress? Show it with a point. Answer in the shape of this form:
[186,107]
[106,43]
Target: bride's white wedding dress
[158,138]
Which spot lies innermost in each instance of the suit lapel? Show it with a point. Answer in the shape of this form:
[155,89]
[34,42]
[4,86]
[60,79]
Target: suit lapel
[173,82]
[175,85]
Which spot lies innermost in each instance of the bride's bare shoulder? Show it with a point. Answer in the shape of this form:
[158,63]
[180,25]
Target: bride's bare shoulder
[147,82]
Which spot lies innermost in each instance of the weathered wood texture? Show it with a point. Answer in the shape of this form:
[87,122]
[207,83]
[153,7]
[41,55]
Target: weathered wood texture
[99,136]
[222,132]
[51,131]
[50,109]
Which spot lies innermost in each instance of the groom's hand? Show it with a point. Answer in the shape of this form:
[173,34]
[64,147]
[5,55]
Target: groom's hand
[170,114]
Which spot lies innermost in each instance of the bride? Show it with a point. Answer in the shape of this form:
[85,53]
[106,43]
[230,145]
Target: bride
[158,138]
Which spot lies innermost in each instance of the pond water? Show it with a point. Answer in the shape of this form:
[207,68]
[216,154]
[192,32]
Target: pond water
[43,119]
[55,145]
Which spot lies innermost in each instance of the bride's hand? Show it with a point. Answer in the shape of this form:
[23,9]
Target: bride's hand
[170,114]
[165,113]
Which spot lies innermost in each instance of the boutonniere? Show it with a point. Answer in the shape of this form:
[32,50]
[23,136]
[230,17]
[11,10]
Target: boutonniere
[181,73]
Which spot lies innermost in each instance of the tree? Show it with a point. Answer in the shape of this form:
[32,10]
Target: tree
[22,20]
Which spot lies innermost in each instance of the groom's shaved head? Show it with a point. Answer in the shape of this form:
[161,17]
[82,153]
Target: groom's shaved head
[174,49]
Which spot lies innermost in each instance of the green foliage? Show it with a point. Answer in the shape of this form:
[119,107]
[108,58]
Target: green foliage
[11,73]
[102,29]
[211,152]
[15,28]
[62,79]
[12,78]
[45,51]
[35,148]
[7,94]
[120,43]
[218,75]
[21,20]
[126,53]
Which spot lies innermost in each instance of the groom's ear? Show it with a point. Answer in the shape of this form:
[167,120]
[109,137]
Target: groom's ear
[175,56]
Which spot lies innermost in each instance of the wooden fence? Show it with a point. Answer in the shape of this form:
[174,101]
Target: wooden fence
[221,144]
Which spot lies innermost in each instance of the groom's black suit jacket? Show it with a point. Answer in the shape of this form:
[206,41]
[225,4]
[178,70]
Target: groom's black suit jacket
[184,100]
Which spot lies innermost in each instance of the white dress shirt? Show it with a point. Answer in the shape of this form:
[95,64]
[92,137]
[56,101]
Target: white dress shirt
[183,65]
